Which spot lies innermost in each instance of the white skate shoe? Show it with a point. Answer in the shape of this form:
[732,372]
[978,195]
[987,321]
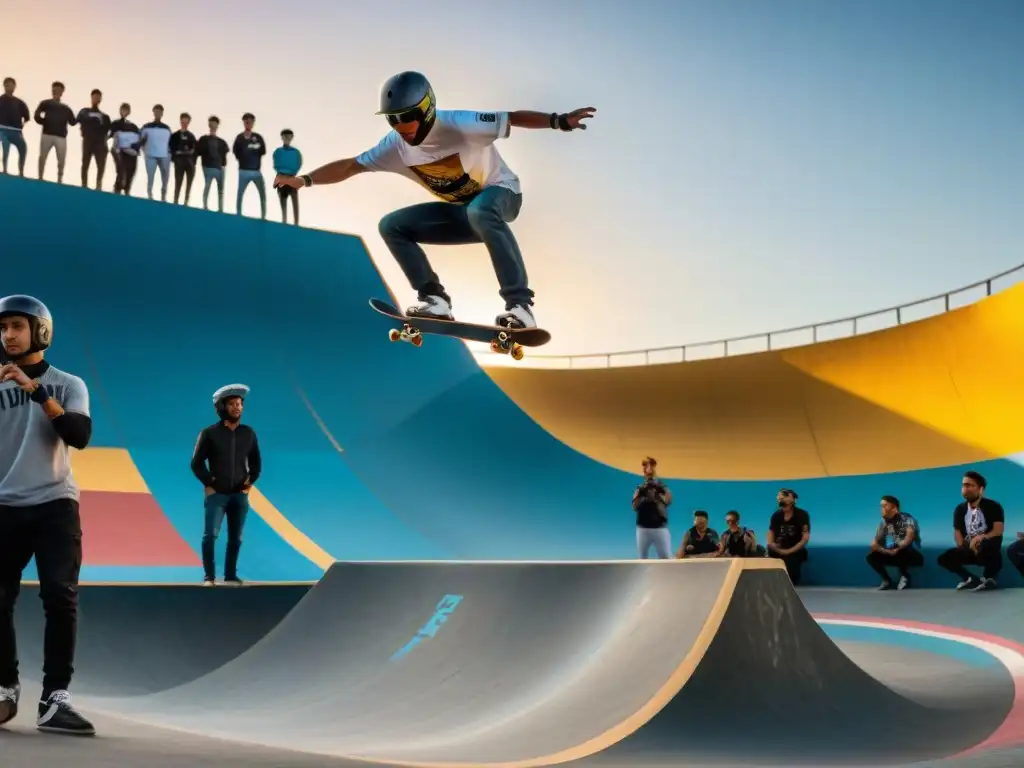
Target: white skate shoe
[431,306]
[517,317]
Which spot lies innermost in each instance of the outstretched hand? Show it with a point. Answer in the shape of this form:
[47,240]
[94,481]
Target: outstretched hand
[577,116]
[284,180]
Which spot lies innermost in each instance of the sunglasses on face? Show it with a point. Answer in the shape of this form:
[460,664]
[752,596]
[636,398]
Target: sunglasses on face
[404,118]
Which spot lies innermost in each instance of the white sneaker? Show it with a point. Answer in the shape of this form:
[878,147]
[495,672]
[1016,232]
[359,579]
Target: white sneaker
[9,698]
[968,583]
[904,583]
[431,306]
[517,317]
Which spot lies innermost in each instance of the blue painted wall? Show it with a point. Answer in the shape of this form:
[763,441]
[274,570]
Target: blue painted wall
[157,306]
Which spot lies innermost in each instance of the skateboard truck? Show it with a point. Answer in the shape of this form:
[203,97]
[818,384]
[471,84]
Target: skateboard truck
[408,333]
[503,344]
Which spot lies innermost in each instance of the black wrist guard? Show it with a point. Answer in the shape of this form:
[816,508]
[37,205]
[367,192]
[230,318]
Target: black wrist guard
[39,395]
[553,122]
[563,122]
[307,180]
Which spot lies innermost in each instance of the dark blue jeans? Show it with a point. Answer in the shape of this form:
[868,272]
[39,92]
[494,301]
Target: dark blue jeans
[235,507]
[10,137]
[484,220]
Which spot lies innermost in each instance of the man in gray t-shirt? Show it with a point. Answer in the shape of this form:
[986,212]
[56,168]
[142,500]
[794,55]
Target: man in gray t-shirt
[44,412]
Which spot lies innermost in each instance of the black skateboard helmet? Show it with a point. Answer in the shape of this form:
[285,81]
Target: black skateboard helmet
[408,97]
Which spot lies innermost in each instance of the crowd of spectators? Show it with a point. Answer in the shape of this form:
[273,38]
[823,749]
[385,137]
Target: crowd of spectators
[161,149]
[978,525]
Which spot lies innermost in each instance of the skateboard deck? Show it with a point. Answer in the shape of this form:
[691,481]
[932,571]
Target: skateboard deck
[509,341]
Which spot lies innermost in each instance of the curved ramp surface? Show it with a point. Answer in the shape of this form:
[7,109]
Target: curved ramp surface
[533,664]
[900,399]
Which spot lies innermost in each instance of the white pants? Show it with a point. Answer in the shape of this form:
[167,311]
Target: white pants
[659,538]
[58,144]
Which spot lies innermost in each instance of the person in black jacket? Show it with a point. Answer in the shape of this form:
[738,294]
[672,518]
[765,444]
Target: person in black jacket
[55,116]
[13,116]
[226,460]
[183,155]
[249,150]
[95,125]
[978,525]
[213,151]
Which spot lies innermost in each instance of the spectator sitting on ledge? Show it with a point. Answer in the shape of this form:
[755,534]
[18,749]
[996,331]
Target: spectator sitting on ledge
[788,534]
[978,532]
[738,541]
[1015,553]
[896,544]
[699,541]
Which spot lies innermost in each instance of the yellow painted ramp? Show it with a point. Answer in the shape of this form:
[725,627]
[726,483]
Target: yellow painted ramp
[942,391]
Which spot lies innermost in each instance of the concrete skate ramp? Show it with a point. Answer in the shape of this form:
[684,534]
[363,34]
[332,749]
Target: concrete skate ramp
[544,663]
[135,640]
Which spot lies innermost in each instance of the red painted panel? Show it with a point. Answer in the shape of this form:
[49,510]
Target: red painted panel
[130,529]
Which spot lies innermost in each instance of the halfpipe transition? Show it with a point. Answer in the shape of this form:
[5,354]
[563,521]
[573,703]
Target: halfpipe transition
[533,664]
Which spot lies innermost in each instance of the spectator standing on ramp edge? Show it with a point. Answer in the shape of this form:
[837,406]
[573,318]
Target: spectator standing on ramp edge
[650,502]
[43,412]
[227,461]
[288,162]
[13,116]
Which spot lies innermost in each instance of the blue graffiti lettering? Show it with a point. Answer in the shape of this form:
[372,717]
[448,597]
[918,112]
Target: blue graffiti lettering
[445,608]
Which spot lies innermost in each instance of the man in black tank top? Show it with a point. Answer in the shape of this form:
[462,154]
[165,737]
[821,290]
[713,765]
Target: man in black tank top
[699,541]
[738,541]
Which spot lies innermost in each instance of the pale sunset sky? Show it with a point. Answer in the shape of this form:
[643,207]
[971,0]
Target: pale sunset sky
[752,165]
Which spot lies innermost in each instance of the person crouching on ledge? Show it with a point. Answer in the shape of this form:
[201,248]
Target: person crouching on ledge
[896,544]
[227,461]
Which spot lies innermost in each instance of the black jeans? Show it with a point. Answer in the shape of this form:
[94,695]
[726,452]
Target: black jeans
[904,559]
[184,170]
[1015,554]
[283,193]
[94,150]
[989,556]
[126,167]
[53,533]
[794,563]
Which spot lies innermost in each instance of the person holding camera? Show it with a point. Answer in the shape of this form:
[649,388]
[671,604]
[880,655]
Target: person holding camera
[650,502]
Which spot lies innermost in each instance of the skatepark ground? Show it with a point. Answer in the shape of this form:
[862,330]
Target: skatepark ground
[615,664]
[392,618]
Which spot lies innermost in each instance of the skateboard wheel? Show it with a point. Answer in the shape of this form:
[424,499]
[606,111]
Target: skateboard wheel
[394,335]
[416,340]
[494,346]
[517,352]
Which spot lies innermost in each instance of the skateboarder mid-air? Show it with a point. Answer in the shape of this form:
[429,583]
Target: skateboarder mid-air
[452,154]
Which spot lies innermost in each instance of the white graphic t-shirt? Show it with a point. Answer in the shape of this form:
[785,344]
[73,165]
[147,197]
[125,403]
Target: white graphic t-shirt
[455,162]
[975,522]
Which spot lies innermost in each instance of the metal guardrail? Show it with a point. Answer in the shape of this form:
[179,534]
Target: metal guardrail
[765,342]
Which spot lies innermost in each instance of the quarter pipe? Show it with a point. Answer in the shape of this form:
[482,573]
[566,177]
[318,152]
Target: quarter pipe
[534,664]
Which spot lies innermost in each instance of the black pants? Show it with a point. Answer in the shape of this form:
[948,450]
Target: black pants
[53,533]
[1015,554]
[283,193]
[126,167]
[903,559]
[91,150]
[989,556]
[794,563]
[184,169]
